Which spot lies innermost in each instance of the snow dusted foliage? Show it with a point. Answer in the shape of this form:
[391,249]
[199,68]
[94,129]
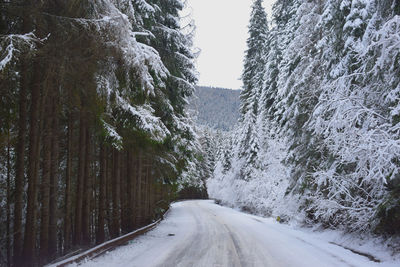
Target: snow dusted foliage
[254,67]
[145,76]
[264,193]
[92,82]
[136,72]
[220,185]
[12,45]
[327,119]
[355,118]
[200,157]
[143,59]
[145,82]
[249,172]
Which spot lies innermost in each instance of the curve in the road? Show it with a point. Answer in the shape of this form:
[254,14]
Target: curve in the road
[203,234]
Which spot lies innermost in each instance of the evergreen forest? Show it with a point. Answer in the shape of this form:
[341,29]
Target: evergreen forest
[318,138]
[216,108]
[98,130]
[94,137]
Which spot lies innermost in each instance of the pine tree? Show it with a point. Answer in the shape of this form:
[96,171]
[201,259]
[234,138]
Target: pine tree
[125,92]
[254,68]
[329,107]
[254,62]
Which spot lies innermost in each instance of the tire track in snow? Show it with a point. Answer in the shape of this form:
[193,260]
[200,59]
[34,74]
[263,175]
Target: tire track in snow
[208,235]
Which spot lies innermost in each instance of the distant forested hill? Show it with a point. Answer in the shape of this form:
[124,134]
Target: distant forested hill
[216,107]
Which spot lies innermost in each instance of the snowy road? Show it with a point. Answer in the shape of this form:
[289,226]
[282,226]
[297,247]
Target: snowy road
[201,233]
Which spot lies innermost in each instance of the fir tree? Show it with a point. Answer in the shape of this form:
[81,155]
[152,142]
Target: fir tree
[254,68]
[329,107]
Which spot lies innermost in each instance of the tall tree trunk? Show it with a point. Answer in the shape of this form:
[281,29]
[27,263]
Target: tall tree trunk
[109,189]
[100,237]
[151,189]
[134,188]
[8,239]
[68,178]
[139,205]
[130,191]
[116,195]
[80,181]
[54,179]
[148,190]
[87,194]
[45,183]
[28,253]
[145,191]
[123,192]
[19,165]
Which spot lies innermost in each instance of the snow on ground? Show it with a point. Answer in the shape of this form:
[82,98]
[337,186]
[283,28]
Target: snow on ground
[201,233]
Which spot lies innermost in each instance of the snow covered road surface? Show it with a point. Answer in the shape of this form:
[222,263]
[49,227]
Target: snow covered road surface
[201,233]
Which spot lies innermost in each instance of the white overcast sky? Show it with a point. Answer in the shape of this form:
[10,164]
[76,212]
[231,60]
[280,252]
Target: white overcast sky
[221,33]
